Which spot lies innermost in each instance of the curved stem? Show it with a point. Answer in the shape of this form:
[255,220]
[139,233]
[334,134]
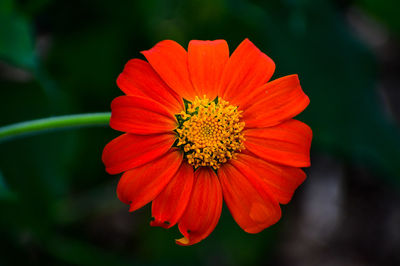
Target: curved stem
[53,123]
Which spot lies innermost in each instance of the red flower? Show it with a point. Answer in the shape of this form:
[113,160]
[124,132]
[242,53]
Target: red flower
[201,126]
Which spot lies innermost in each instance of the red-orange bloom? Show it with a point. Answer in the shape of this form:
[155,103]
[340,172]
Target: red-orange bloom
[202,126]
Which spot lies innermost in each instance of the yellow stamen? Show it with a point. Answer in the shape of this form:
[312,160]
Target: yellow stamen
[210,132]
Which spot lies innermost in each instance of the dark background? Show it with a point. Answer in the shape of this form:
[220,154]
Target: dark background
[59,207]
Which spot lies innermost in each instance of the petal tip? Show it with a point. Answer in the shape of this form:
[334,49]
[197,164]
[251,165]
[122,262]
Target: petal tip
[184,241]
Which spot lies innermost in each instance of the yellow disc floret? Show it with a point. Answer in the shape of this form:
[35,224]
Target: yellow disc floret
[209,132]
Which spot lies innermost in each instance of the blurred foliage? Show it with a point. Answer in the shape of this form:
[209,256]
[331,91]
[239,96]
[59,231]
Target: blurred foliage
[17,44]
[59,205]
[385,11]
[5,193]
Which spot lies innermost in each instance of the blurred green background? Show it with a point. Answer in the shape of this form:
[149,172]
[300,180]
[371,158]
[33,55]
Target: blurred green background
[59,207]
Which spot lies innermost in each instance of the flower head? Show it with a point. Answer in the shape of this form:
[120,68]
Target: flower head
[202,127]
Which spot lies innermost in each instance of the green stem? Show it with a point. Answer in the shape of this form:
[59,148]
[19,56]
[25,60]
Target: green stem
[53,123]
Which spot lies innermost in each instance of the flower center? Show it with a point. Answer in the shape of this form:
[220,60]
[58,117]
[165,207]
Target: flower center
[209,132]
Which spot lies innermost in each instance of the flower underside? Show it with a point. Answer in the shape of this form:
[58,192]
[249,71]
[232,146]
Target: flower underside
[209,132]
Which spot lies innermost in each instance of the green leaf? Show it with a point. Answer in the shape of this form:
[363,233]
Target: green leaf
[5,193]
[16,38]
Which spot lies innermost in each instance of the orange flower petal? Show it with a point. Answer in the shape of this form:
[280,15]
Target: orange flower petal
[287,143]
[281,181]
[170,204]
[140,116]
[251,207]
[204,208]
[170,61]
[140,79]
[141,185]
[280,100]
[207,60]
[247,69]
[128,151]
